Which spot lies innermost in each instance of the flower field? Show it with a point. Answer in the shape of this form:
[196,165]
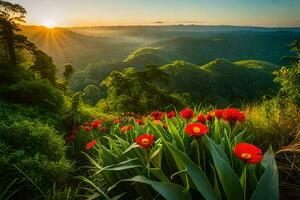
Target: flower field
[190,154]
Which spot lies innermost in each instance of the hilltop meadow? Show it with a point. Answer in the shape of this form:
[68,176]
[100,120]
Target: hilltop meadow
[148,112]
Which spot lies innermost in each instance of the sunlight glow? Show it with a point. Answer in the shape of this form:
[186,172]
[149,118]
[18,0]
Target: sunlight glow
[49,23]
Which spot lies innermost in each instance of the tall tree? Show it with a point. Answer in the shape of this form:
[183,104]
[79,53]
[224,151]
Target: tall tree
[69,70]
[44,65]
[11,15]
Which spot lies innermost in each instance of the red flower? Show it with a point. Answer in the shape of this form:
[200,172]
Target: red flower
[157,115]
[233,115]
[196,129]
[248,153]
[139,121]
[209,117]
[90,145]
[71,137]
[157,122]
[73,131]
[145,140]
[86,123]
[165,126]
[201,118]
[125,129]
[170,114]
[103,119]
[79,127]
[187,113]
[95,123]
[116,121]
[218,113]
[87,129]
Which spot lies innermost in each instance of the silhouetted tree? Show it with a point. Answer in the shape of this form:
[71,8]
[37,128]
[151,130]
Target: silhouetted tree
[69,70]
[11,15]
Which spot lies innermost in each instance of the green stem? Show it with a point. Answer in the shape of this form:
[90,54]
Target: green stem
[148,163]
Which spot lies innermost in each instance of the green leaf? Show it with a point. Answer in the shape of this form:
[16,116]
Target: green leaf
[197,175]
[228,178]
[169,191]
[158,173]
[176,135]
[132,146]
[268,185]
[243,181]
[156,155]
[95,186]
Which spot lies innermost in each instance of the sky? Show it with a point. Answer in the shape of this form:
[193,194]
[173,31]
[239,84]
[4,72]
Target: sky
[271,13]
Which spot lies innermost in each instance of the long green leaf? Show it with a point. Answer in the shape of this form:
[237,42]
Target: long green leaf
[197,175]
[228,178]
[268,186]
[169,191]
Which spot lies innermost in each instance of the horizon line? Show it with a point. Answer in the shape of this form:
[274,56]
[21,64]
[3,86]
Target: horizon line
[162,25]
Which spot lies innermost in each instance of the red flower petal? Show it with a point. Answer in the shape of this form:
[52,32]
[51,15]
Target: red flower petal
[145,140]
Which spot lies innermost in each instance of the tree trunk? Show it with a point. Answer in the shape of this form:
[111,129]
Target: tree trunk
[9,35]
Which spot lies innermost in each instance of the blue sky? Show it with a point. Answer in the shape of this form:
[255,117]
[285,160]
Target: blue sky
[136,12]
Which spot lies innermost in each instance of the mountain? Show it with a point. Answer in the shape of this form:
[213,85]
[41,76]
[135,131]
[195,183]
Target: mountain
[235,46]
[81,46]
[66,46]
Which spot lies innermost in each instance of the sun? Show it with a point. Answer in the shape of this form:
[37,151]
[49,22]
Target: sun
[49,23]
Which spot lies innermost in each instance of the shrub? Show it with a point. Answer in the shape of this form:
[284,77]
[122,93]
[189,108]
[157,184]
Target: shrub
[37,150]
[39,93]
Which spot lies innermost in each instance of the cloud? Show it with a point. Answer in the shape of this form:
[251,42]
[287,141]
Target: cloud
[192,22]
[158,22]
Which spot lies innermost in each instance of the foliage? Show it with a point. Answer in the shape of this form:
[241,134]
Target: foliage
[44,65]
[69,70]
[33,146]
[184,167]
[92,94]
[39,93]
[132,90]
[220,80]
[276,121]
[11,15]
[288,77]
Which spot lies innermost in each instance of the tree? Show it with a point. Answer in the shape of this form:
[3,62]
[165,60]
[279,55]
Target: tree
[69,70]
[92,94]
[44,65]
[11,15]
[139,91]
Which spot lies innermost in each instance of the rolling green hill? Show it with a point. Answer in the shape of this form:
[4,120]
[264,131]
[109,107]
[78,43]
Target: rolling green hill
[146,56]
[220,81]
